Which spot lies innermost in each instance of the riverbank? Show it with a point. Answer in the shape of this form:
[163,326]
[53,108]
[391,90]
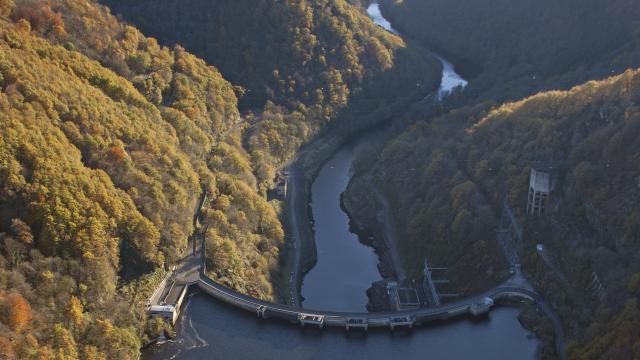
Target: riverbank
[371,206]
[304,168]
[302,252]
[379,233]
[310,159]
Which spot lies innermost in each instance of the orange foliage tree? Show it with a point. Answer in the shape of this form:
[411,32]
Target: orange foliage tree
[41,17]
[19,312]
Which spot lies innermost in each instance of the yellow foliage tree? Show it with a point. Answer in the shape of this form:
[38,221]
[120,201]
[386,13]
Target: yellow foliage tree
[74,313]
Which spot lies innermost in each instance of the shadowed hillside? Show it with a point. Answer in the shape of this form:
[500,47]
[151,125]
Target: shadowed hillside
[515,47]
[463,165]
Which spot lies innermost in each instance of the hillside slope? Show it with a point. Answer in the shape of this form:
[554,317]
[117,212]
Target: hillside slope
[323,65]
[463,165]
[104,150]
[514,48]
[313,52]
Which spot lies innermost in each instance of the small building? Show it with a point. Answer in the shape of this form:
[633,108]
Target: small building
[540,186]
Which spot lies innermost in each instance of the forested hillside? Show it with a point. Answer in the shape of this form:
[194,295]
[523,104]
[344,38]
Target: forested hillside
[320,62]
[463,165]
[539,44]
[289,52]
[105,144]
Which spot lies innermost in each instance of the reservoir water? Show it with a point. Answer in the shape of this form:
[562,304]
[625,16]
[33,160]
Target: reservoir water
[209,329]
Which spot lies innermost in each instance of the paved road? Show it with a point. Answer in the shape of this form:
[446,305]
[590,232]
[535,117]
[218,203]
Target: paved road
[299,227]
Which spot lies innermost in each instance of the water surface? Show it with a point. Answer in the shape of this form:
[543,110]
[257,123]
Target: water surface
[209,329]
[345,268]
[450,78]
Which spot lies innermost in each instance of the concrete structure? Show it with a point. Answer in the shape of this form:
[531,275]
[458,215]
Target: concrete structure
[357,323]
[170,301]
[408,298]
[401,322]
[261,311]
[311,319]
[509,236]
[481,307]
[168,312]
[540,186]
[364,321]
[155,297]
[191,272]
[402,298]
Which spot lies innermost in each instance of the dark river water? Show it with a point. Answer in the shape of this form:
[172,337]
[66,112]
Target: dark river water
[209,329]
[345,268]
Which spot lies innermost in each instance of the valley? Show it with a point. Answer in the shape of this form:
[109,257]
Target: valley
[448,179]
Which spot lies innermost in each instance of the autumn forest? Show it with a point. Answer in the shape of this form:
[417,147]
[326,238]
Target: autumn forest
[116,116]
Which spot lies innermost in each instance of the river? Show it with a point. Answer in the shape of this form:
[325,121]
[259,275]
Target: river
[345,268]
[450,78]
